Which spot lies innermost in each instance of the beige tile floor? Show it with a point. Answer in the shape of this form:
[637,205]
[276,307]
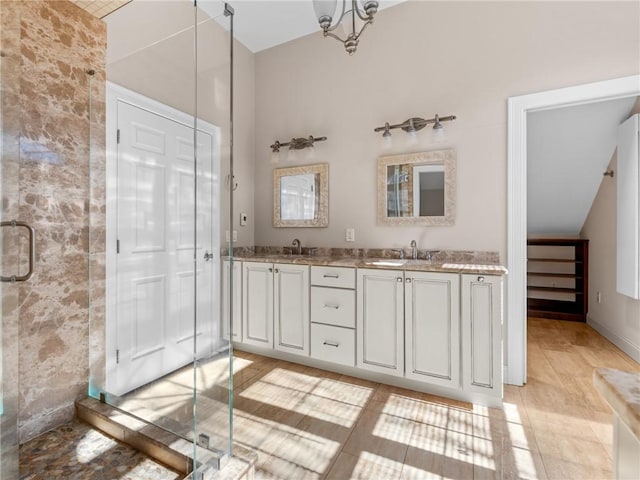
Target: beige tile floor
[308,423]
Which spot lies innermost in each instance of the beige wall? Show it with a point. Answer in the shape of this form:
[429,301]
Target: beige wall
[616,316]
[418,59]
[163,70]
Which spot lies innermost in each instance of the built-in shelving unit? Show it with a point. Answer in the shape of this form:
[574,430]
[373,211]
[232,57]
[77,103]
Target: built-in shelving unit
[557,278]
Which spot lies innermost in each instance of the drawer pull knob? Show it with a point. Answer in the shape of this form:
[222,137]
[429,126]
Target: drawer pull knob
[331,306]
[481,279]
[330,276]
[331,344]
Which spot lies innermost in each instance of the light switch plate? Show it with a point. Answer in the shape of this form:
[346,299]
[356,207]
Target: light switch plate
[350,235]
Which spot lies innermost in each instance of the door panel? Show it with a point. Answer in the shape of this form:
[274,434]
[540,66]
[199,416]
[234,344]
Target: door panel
[432,328]
[380,321]
[155,229]
[292,308]
[257,303]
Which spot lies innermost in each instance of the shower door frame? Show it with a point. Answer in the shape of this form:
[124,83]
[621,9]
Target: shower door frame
[114,94]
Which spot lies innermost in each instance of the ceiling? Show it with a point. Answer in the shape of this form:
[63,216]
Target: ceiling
[568,150]
[258,24]
[100,8]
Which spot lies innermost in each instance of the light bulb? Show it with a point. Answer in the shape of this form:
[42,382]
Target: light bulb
[438,133]
[325,10]
[274,157]
[293,155]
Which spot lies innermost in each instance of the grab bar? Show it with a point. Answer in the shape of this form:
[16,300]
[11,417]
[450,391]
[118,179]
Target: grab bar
[32,251]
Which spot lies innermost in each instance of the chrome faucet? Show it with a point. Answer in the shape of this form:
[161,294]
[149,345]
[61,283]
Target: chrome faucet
[414,250]
[400,252]
[296,243]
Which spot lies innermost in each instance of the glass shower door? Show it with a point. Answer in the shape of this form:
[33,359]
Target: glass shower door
[10,236]
[157,350]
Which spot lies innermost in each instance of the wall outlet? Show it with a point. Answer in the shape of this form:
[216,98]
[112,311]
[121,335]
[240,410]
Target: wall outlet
[235,235]
[350,235]
[598,297]
[243,219]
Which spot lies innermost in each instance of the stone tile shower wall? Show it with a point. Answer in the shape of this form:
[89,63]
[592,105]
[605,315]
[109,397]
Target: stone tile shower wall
[58,44]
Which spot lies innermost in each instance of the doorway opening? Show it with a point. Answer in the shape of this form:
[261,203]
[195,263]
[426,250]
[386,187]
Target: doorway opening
[518,110]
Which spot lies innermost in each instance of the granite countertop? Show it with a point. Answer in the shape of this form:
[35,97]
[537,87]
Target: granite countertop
[622,391]
[380,263]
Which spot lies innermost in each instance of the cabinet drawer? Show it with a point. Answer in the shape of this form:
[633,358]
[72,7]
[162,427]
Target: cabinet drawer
[333,306]
[341,277]
[333,344]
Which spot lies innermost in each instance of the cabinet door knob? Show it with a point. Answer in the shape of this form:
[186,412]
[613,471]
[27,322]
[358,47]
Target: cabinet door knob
[481,279]
[270,270]
[277,270]
[408,280]
[399,279]
[331,344]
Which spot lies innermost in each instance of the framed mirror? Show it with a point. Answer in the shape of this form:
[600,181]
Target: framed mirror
[301,196]
[417,188]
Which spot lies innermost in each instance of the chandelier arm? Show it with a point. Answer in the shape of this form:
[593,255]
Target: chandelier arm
[363,28]
[357,10]
[333,35]
[342,15]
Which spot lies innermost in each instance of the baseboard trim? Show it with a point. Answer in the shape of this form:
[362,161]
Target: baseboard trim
[622,343]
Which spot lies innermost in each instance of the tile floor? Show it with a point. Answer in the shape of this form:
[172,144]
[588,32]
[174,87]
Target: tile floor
[306,423]
[75,451]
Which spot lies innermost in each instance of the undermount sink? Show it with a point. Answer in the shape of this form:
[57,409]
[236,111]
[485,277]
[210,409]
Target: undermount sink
[387,263]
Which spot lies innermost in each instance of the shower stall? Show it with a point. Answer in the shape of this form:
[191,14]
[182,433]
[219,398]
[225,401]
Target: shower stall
[123,181]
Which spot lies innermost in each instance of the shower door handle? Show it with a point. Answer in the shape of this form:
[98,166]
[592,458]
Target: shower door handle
[32,251]
[208,256]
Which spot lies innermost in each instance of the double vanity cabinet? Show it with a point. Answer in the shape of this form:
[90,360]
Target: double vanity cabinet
[440,331]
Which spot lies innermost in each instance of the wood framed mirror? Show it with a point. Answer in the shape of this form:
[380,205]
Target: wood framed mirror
[301,196]
[417,188]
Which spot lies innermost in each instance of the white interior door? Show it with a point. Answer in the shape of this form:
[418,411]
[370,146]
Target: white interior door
[158,298]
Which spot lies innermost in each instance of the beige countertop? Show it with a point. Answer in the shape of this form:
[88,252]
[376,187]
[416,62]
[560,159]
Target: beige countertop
[380,263]
[622,391]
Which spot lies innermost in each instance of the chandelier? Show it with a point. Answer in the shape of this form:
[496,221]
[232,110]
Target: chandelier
[364,10]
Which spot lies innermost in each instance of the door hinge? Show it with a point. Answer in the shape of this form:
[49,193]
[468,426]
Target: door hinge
[118,246]
[117,356]
[118,136]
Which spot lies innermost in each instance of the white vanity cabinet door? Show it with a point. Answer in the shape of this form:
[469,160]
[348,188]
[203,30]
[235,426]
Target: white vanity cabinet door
[432,328]
[482,334]
[337,277]
[291,308]
[236,302]
[380,321]
[257,304]
[333,344]
[333,306]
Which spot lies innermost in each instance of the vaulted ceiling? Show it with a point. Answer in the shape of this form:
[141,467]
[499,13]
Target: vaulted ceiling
[258,24]
[568,150]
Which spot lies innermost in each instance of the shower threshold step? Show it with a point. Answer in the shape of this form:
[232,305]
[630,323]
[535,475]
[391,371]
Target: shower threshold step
[163,445]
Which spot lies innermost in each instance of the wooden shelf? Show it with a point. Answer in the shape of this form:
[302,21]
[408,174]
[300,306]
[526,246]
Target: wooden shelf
[575,309]
[553,275]
[554,260]
[553,289]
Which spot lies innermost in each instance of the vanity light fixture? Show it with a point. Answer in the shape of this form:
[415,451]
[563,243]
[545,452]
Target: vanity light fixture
[297,143]
[364,10]
[412,125]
